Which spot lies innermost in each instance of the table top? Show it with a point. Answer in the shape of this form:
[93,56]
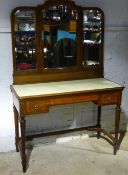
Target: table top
[61,87]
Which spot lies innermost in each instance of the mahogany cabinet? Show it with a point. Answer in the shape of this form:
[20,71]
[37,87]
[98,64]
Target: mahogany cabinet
[57,60]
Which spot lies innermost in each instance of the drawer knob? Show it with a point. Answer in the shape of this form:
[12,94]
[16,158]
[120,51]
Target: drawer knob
[109,98]
[36,107]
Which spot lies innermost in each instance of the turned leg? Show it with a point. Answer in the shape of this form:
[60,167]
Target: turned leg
[98,121]
[117,121]
[16,122]
[23,154]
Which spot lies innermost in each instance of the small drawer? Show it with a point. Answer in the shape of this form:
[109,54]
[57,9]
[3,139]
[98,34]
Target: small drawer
[37,106]
[109,98]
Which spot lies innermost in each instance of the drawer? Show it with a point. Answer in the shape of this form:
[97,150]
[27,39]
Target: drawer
[109,98]
[37,106]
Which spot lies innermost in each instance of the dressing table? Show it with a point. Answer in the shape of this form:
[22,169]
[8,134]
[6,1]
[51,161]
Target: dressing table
[57,60]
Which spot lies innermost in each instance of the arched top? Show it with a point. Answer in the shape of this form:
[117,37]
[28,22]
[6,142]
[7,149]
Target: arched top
[58,2]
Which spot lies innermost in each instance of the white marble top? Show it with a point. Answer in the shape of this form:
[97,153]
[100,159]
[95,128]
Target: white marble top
[63,87]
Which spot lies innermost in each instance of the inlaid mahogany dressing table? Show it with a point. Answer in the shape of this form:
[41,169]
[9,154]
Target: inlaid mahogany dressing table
[58,59]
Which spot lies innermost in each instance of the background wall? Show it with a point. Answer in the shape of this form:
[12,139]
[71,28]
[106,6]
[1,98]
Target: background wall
[115,68]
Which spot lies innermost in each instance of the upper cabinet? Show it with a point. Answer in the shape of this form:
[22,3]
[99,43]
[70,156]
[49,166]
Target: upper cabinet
[55,41]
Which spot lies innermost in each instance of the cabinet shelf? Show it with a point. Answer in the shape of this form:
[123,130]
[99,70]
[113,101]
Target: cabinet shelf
[92,23]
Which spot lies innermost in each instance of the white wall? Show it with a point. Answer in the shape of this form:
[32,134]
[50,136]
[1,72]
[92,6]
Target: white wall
[115,68]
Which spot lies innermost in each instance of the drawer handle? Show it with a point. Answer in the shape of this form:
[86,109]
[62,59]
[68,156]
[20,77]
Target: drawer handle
[109,98]
[36,107]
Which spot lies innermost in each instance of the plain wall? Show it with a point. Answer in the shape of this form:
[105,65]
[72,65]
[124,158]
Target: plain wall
[115,68]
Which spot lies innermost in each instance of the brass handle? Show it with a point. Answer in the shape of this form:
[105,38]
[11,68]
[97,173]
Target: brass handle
[36,107]
[109,99]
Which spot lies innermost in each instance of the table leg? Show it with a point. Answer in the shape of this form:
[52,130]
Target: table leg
[98,121]
[23,154]
[117,121]
[16,128]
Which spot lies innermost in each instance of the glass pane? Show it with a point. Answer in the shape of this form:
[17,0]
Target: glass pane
[25,40]
[92,37]
[59,36]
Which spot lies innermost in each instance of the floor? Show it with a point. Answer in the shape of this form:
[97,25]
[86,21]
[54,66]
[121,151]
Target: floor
[69,156]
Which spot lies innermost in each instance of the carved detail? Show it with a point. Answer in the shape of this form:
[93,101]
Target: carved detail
[51,2]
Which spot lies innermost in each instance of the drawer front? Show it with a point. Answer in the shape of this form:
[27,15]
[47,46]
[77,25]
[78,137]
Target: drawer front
[37,106]
[109,98]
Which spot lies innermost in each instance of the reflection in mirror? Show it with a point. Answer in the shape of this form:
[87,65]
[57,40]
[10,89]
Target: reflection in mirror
[25,40]
[92,37]
[59,36]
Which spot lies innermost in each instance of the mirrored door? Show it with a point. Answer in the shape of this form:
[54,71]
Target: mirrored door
[59,36]
[93,37]
[25,39]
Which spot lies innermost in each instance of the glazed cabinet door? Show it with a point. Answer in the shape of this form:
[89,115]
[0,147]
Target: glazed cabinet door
[24,40]
[93,22]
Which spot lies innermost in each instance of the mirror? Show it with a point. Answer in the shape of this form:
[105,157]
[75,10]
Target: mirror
[59,36]
[24,39]
[92,41]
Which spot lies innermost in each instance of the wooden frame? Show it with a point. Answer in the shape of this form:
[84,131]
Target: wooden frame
[101,91]
[45,75]
[40,103]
